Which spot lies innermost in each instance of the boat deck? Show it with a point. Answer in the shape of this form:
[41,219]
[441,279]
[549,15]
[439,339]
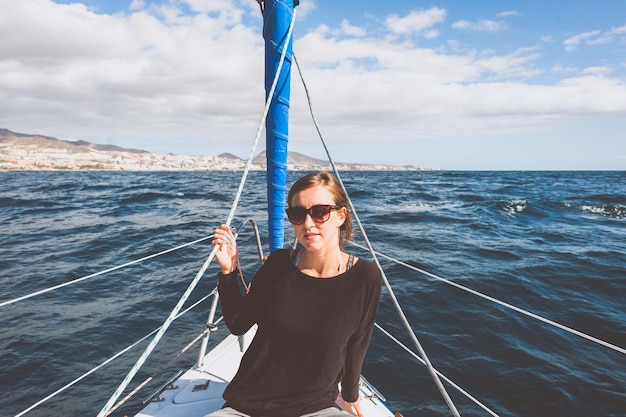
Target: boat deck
[198,391]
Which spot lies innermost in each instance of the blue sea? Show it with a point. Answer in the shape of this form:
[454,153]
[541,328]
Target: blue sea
[551,243]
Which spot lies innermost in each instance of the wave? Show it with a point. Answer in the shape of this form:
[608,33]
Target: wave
[609,210]
[512,207]
[149,196]
[525,238]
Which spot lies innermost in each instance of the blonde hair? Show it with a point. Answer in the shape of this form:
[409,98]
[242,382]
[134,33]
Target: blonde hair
[331,183]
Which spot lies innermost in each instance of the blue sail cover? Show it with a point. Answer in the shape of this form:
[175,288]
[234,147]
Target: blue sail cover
[277,18]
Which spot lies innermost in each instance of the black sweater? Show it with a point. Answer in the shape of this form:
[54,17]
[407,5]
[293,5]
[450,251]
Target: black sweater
[312,334]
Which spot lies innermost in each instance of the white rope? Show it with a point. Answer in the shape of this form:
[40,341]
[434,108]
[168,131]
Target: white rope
[106,362]
[505,304]
[77,280]
[200,273]
[394,300]
[445,378]
[164,366]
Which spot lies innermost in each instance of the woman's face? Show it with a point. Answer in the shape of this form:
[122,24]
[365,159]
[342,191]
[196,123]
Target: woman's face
[314,236]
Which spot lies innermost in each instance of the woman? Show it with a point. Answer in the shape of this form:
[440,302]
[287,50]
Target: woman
[314,306]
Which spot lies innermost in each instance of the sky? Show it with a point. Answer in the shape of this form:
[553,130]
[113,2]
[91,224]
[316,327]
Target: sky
[455,85]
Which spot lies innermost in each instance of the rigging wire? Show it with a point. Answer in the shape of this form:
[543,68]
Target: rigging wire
[394,299]
[231,215]
[445,378]
[77,280]
[127,264]
[212,293]
[165,365]
[504,304]
[111,359]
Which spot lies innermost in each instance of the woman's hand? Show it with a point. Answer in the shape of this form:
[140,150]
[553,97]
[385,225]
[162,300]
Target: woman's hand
[227,253]
[352,408]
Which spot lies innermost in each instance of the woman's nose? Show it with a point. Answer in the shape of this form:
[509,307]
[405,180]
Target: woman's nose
[308,220]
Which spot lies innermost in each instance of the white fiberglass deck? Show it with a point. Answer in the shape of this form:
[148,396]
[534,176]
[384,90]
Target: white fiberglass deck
[191,396]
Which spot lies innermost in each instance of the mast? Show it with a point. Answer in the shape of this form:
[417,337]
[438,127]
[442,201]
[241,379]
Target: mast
[277,17]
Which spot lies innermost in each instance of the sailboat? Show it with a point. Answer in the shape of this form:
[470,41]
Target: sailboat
[198,390]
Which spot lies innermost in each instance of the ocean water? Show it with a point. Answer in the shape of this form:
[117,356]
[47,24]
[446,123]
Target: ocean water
[552,243]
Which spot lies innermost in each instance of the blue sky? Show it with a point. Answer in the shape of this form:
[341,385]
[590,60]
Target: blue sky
[445,84]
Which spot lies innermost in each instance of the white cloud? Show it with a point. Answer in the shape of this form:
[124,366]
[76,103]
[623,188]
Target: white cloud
[610,36]
[305,8]
[597,70]
[517,64]
[209,6]
[416,21]
[137,5]
[133,71]
[157,75]
[508,13]
[596,37]
[560,69]
[480,25]
[431,34]
[619,31]
[416,85]
[348,29]
[573,42]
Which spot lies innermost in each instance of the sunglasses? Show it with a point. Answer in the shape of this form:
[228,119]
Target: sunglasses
[319,213]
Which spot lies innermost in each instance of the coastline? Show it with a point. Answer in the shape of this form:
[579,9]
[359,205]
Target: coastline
[33,152]
[61,156]
[121,161]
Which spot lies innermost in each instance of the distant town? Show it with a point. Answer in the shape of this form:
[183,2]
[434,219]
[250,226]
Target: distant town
[30,152]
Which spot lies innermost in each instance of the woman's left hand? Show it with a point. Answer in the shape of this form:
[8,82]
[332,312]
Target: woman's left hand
[352,408]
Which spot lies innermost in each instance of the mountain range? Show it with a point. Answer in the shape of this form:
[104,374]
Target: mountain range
[9,138]
[35,151]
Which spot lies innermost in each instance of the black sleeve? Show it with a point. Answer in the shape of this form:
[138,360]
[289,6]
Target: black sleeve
[237,309]
[359,341]
[241,311]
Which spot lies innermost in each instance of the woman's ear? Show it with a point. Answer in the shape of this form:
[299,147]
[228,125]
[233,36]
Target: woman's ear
[342,215]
